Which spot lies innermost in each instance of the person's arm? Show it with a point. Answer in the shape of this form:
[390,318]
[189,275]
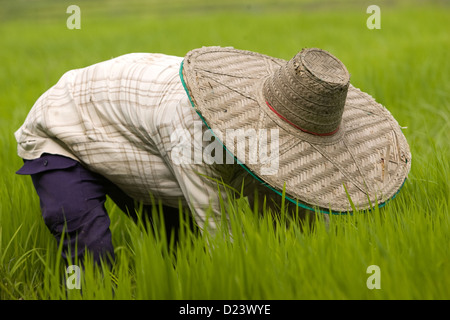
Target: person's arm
[181,131]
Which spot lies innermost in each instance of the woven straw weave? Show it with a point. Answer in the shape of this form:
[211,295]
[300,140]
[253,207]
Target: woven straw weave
[368,154]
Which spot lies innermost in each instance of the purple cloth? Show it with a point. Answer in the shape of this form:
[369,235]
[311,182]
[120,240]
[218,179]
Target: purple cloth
[45,163]
[72,201]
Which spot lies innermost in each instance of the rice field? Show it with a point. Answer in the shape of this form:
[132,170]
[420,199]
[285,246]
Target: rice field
[404,65]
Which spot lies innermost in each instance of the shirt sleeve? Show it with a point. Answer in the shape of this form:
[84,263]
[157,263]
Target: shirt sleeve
[203,182]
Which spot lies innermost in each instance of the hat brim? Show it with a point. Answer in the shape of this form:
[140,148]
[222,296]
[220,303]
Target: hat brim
[363,164]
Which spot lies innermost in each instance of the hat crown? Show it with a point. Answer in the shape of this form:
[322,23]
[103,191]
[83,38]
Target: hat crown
[309,91]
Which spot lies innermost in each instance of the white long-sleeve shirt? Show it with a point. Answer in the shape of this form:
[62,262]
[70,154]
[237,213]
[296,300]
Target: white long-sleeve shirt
[118,118]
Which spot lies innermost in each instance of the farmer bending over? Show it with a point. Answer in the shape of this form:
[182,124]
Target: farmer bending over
[147,128]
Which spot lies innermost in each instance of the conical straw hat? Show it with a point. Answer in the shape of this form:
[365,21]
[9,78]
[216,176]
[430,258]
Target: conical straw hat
[337,147]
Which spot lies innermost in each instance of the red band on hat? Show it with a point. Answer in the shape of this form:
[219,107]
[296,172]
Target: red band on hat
[297,127]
